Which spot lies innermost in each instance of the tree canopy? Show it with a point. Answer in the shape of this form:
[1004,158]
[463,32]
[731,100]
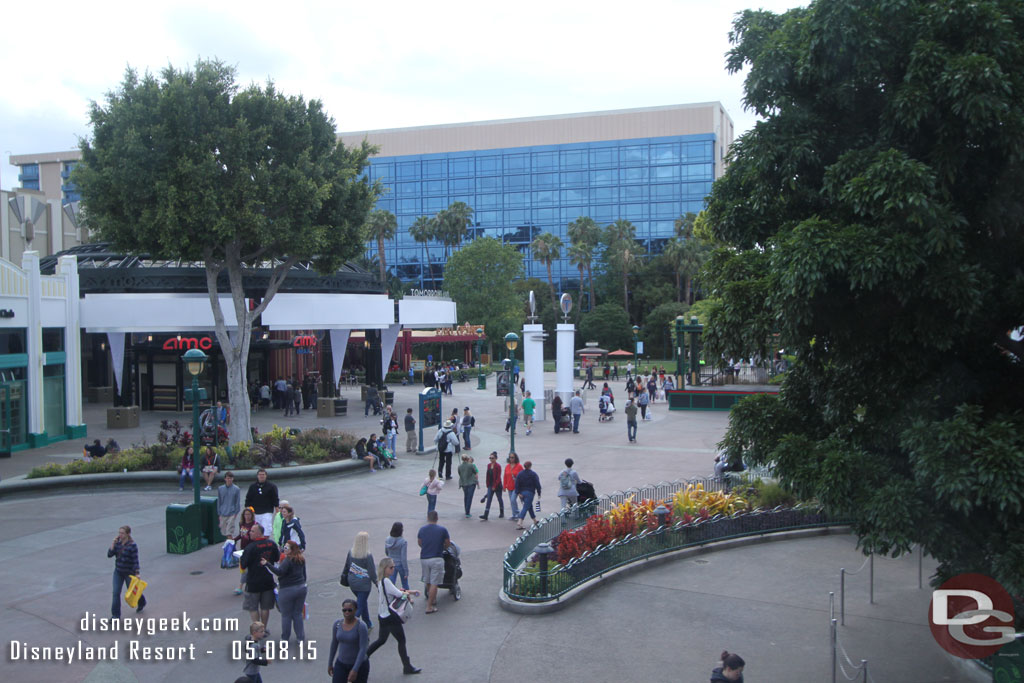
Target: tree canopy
[873,219]
[188,166]
[608,325]
[479,278]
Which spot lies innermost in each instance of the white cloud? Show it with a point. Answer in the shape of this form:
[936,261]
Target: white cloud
[397,64]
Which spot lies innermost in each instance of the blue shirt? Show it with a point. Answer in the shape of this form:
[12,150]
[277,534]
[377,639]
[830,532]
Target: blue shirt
[432,538]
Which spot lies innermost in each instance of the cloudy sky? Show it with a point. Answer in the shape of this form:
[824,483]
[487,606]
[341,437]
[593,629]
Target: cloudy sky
[373,65]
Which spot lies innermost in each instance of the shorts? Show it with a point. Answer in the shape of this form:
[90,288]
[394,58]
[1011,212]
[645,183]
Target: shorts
[433,571]
[256,601]
[228,525]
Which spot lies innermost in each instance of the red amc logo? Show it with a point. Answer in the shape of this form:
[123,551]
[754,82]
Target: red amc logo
[186,343]
[971,616]
[304,341]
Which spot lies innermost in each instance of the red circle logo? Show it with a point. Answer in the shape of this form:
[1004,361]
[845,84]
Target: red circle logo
[971,616]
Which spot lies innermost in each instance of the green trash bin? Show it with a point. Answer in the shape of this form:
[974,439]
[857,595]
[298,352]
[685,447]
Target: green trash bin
[211,523]
[481,381]
[184,529]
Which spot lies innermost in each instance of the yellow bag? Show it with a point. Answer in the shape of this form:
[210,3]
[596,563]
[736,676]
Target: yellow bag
[134,592]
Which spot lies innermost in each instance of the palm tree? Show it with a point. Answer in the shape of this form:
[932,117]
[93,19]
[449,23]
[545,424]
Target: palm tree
[686,254]
[452,224]
[620,237]
[423,230]
[381,225]
[547,247]
[585,232]
[580,255]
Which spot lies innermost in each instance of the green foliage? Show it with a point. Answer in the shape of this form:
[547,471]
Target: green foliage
[479,278]
[381,226]
[659,325]
[138,458]
[767,495]
[873,220]
[609,326]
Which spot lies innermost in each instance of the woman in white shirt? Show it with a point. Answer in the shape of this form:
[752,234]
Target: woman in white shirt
[391,623]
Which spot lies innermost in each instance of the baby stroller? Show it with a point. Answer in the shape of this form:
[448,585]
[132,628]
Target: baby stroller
[586,498]
[607,409]
[452,571]
[565,421]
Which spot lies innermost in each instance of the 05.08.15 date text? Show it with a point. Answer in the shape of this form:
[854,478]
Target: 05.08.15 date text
[273,650]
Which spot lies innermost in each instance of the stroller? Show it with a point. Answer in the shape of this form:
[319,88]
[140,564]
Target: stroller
[607,409]
[452,571]
[565,421]
[586,498]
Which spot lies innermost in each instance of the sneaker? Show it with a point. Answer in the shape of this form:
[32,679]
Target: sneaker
[181,488]
[468,515]
[483,517]
[238,591]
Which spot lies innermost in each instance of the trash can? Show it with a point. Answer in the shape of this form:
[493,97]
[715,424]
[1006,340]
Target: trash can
[184,529]
[211,522]
[481,381]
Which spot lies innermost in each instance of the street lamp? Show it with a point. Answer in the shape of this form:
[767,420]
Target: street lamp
[636,347]
[512,341]
[195,363]
[481,380]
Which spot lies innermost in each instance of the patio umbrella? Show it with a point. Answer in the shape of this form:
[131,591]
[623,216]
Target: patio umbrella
[620,353]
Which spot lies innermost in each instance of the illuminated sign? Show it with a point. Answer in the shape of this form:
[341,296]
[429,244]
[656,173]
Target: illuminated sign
[304,341]
[185,343]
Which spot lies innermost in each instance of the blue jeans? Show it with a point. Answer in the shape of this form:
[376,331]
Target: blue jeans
[467,497]
[119,581]
[465,435]
[513,503]
[431,501]
[393,443]
[184,473]
[631,430]
[576,422]
[363,610]
[527,506]
[403,572]
[494,493]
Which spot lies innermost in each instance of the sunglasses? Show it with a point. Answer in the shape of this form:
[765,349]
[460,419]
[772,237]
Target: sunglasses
[347,609]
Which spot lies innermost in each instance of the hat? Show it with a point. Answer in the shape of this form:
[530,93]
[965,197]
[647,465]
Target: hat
[447,423]
[466,408]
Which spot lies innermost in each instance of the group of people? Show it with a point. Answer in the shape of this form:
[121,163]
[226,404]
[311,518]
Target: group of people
[442,375]
[291,396]
[209,466]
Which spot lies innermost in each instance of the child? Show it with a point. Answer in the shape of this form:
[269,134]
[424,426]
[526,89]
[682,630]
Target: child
[257,632]
[434,486]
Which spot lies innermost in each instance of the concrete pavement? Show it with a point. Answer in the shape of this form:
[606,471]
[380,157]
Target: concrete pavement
[767,602]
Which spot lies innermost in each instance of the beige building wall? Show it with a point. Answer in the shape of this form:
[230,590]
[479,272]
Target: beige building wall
[623,124]
[54,232]
[51,164]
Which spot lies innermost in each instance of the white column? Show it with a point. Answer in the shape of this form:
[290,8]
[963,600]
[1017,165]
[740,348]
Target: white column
[67,266]
[55,226]
[34,342]
[533,365]
[564,356]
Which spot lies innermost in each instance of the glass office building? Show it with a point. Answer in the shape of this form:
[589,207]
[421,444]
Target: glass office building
[520,191]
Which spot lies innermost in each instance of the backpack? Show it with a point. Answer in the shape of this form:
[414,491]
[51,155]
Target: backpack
[442,442]
[565,480]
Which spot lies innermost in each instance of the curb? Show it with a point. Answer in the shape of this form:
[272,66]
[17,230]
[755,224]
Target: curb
[539,608]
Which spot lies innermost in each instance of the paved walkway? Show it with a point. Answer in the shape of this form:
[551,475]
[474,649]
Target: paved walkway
[768,602]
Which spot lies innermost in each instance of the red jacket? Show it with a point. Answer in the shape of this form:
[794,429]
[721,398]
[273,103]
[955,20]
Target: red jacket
[511,470]
[494,476]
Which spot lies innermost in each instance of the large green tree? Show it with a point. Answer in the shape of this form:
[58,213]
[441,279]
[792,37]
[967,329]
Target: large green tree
[584,236]
[424,230]
[622,252]
[608,325]
[381,226]
[188,166]
[874,220]
[478,277]
[547,248]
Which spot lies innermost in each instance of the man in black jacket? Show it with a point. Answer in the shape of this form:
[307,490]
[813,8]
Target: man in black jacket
[259,582]
[262,498]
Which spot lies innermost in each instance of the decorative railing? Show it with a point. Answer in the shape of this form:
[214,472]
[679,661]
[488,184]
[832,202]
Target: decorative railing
[545,581]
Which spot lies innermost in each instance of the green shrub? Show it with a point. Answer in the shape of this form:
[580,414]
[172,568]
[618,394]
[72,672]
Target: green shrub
[768,495]
[311,453]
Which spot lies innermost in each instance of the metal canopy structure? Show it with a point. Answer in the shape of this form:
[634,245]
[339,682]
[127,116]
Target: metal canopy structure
[104,270]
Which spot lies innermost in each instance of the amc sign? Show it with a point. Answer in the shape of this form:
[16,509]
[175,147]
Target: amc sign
[186,343]
[304,341]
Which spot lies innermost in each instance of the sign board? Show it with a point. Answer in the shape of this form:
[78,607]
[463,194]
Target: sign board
[501,384]
[639,348]
[429,411]
[418,365]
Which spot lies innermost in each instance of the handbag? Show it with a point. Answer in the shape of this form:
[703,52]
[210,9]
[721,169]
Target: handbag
[134,592]
[401,607]
[423,490]
[536,506]
[344,573]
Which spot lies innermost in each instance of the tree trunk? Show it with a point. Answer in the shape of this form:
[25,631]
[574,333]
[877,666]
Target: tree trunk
[625,289]
[380,260]
[679,286]
[590,280]
[688,290]
[551,285]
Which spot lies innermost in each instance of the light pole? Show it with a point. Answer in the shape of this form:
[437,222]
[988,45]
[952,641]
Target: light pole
[511,342]
[195,363]
[481,379]
[636,347]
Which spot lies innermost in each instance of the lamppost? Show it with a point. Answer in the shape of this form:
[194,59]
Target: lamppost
[636,347]
[511,341]
[481,378]
[195,363]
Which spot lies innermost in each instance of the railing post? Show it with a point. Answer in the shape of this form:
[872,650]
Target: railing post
[864,665]
[832,639]
[920,563]
[543,550]
[831,605]
[871,578]
[842,596]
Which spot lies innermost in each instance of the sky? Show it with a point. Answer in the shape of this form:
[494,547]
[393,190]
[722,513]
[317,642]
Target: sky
[373,65]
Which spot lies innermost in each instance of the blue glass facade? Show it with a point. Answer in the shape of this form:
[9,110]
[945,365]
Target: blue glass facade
[520,192]
[68,188]
[29,176]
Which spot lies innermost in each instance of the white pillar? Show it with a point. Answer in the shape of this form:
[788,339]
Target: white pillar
[67,266]
[533,365]
[565,353]
[34,342]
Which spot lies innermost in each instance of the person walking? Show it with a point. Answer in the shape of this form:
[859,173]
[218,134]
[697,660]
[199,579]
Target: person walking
[259,582]
[494,484]
[468,422]
[372,401]
[630,411]
[291,589]
[588,383]
[126,565]
[556,411]
[391,623]
[350,640]
[434,485]
[432,539]
[229,505]
[362,574]
[397,549]
[527,486]
[390,426]
[468,481]
[731,669]
[642,400]
[447,443]
[410,432]
[567,481]
[529,406]
[512,470]
[289,399]
[263,499]
[291,527]
[576,408]
[245,524]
